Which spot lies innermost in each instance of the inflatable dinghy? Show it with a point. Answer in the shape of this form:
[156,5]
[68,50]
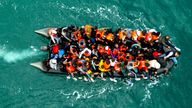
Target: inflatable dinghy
[42,65]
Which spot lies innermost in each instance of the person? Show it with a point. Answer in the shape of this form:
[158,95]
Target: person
[101,50]
[65,35]
[165,44]
[53,63]
[86,52]
[117,69]
[70,70]
[102,68]
[88,30]
[53,35]
[107,50]
[132,69]
[107,66]
[94,53]
[154,65]
[84,69]
[91,51]
[112,64]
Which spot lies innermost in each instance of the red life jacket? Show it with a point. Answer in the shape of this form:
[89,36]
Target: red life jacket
[115,52]
[101,49]
[122,48]
[130,58]
[108,52]
[55,49]
[156,54]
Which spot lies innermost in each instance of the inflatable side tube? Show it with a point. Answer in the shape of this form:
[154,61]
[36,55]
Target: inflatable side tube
[41,66]
[43,32]
[170,65]
[116,75]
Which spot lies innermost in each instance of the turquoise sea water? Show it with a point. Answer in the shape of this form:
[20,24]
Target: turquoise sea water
[24,86]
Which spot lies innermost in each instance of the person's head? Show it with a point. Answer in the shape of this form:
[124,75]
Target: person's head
[144,32]
[131,64]
[177,54]
[79,64]
[116,45]
[106,47]
[139,58]
[102,66]
[96,61]
[127,57]
[74,50]
[167,37]
[147,64]
[118,64]
[107,62]
[68,64]
[98,35]
[121,59]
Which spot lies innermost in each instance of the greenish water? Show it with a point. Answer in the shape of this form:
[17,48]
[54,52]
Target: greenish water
[24,86]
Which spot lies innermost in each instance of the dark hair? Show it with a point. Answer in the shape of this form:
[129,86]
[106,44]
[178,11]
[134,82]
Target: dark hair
[144,32]
[147,64]
[131,64]
[107,61]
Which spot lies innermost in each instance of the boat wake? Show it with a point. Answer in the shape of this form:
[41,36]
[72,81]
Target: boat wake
[12,56]
[148,91]
[91,93]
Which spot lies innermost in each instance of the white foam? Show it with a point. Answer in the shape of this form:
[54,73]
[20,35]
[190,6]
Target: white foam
[147,92]
[12,56]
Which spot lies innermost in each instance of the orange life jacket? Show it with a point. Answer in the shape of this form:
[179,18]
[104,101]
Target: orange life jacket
[101,49]
[155,37]
[116,67]
[100,32]
[122,48]
[77,35]
[87,54]
[121,55]
[120,34]
[110,37]
[142,65]
[70,68]
[148,36]
[140,35]
[106,66]
[134,35]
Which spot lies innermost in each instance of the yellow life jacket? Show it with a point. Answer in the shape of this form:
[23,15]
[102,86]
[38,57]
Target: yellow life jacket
[88,30]
[101,67]
[89,72]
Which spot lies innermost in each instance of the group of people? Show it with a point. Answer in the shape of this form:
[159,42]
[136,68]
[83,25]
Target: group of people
[88,51]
